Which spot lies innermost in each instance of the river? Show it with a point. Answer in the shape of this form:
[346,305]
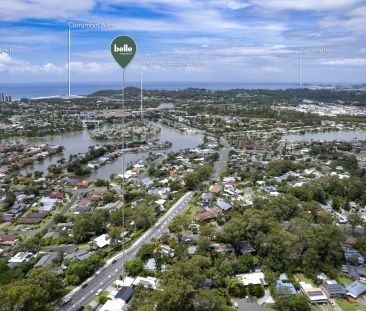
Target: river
[78,142]
[327,136]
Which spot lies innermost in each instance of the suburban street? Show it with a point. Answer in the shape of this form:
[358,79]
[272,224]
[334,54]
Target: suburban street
[221,161]
[105,276]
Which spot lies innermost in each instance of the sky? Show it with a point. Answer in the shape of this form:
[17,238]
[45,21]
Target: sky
[212,40]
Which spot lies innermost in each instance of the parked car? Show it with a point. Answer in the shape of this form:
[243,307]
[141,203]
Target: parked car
[99,291]
[84,285]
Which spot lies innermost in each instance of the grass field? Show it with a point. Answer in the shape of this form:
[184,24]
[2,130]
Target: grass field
[192,210]
[102,295]
[303,278]
[344,280]
[346,306]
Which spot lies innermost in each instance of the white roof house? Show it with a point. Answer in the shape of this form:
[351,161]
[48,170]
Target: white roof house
[19,258]
[149,282]
[48,204]
[102,240]
[160,202]
[127,281]
[314,294]
[113,305]
[256,278]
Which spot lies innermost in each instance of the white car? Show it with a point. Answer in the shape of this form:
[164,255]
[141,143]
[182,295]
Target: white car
[99,291]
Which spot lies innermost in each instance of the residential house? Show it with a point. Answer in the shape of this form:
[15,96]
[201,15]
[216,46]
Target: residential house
[84,206]
[204,216]
[46,260]
[102,241]
[47,204]
[356,289]
[8,240]
[342,219]
[166,250]
[77,255]
[315,295]
[222,248]
[255,278]
[151,265]
[216,188]
[354,253]
[83,184]
[148,282]
[206,197]
[334,290]
[354,272]
[285,287]
[19,258]
[223,205]
[119,301]
[246,248]
[57,195]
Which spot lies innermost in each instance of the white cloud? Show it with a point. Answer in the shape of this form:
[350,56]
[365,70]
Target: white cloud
[13,66]
[346,62]
[222,4]
[302,5]
[92,67]
[271,69]
[16,10]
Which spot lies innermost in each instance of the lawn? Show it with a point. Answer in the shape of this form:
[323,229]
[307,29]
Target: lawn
[102,296]
[192,210]
[346,306]
[344,280]
[303,278]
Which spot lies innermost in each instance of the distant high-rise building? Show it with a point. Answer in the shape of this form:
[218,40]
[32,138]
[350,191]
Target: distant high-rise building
[5,98]
[25,100]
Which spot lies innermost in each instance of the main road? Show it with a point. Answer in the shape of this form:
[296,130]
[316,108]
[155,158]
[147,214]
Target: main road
[105,276]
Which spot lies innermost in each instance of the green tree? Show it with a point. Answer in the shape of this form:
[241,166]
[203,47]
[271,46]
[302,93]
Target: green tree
[134,267]
[175,294]
[48,281]
[256,290]
[236,288]
[23,296]
[355,219]
[209,300]
[234,231]
[289,302]
[145,251]
[144,216]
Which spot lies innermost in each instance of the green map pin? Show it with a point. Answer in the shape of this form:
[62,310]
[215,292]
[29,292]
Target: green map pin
[123,49]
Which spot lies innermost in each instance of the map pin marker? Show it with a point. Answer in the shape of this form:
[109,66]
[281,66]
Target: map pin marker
[123,49]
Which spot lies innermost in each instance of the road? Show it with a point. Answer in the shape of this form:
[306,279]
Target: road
[219,166]
[105,276]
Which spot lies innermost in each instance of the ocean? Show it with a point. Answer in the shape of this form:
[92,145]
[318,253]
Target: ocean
[34,90]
